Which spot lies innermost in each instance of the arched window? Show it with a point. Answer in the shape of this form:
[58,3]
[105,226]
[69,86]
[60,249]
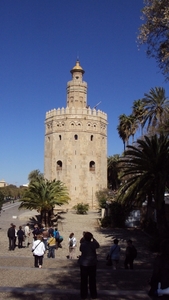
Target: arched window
[91,137]
[59,165]
[76,137]
[92,166]
[60,137]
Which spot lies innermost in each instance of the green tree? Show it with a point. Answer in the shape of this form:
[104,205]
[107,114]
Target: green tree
[42,195]
[154,32]
[1,200]
[112,171]
[34,175]
[103,196]
[133,126]
[124,128]
[156,104]
[138,112]
[146,167]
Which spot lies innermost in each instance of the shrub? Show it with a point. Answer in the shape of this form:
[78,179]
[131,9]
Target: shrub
[106,222]
[102,197]
[117,215]
[81,208]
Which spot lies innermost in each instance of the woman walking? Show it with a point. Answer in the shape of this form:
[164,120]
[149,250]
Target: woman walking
[38,250]
[72,245]
[88,262]
[115,254]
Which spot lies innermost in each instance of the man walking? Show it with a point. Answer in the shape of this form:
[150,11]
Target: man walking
[27,235]
[11,237]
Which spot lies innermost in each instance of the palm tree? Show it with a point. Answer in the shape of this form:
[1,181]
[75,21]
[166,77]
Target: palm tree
[164,126]
[124,128]
[133,126]
[112,171]
[155,104]
[34,175]
[146,168]
[43,195]
[138,112]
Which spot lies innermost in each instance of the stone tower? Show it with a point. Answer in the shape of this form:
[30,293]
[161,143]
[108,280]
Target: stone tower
[76,144]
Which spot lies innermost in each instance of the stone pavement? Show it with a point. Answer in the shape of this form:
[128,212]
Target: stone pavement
[59,278]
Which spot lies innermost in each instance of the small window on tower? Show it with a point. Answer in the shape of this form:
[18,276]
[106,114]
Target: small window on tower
[60,137]
[92,166]
[91,137]
[59,165]
[77,77]
[76,137]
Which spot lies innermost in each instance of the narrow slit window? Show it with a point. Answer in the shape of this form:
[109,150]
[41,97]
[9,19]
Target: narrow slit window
[59,165]
[60,137]
[92,166]
[91,137]
[76,137]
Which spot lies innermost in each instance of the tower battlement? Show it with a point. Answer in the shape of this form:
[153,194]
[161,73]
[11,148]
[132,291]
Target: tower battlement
[76,111]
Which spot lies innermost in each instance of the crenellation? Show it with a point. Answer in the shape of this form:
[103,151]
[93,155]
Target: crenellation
[76,111]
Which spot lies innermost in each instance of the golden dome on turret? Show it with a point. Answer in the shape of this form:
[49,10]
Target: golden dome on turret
[77,68]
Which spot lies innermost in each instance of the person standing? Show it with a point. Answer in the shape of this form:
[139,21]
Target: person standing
[27,235]
[11,237]
[131,254]
[45,236]
[88,263]
[20,234]
[72,246]
[52,246]
[15,235]
[38,250]
[160,277]
[115,254]
[58,237]
[36,231]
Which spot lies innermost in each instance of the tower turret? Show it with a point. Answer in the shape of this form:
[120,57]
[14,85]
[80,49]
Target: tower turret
[77,88]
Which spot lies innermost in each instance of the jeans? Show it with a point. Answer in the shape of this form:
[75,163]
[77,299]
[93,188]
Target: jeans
[45,243]
[11,243]
[20,240]
[51,252]
[88,273]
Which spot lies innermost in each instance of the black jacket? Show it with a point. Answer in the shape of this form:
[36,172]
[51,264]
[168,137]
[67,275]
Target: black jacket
[11,232]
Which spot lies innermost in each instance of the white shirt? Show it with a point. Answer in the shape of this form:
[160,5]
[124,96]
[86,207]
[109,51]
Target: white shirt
[74,241]
[40,248]
[27,230]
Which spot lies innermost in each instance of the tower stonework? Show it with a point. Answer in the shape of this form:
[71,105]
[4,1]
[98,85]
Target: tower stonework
[76,144]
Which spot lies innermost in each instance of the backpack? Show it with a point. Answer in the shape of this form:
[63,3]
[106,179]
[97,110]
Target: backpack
[134,252]
[71,243]
[56,235]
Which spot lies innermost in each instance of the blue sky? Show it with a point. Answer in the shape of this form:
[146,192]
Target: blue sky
[40,41]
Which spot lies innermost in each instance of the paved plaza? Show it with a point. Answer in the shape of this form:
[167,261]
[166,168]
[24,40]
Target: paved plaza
[60,277]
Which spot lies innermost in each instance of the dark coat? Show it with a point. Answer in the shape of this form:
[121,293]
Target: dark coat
[160,272]
[20,234]
[88,249]
[11,232]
